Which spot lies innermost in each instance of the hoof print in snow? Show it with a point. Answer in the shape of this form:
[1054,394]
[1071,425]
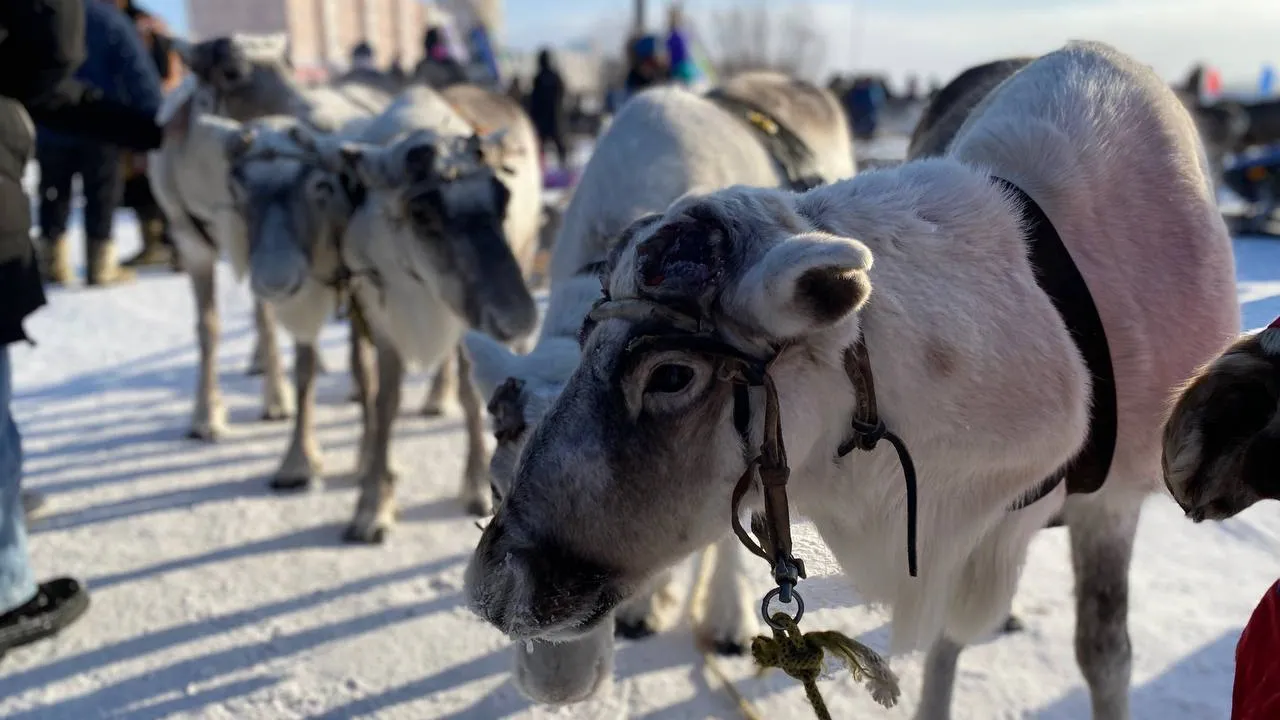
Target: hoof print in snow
[633,629]
[291,484]
[1012,624]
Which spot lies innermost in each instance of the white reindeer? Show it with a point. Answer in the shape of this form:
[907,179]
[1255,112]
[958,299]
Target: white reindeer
[244,77]
[437,246]
[664,144]
[634,463]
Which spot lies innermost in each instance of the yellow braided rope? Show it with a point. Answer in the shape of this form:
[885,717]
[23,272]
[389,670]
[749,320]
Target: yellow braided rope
[800,655]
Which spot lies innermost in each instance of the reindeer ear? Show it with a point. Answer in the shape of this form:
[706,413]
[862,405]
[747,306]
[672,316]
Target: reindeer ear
[682,259]
[807,283]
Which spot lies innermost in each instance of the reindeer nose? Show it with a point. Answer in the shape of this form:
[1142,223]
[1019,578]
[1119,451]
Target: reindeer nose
[275,283]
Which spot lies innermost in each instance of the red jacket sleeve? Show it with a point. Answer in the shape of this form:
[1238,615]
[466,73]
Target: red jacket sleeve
[1256,695]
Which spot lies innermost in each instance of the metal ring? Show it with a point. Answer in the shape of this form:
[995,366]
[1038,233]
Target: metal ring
[769,597]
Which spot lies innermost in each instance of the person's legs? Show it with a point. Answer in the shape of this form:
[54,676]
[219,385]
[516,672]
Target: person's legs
[562,151]
[17,584]
[103,186]
[28,612]
[57,168]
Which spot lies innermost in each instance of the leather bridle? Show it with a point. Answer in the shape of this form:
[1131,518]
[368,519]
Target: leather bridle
[767,464]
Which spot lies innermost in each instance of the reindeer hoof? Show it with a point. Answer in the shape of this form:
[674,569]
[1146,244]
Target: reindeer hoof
[633,629]
[1012,625]
[254,370]
[478,507]
[274,414]
[203,434]
[432,410]
[363,535]
[354,396]
[729,648]
[291,484]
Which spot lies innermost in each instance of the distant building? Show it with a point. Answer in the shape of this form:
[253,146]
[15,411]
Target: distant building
[322,32]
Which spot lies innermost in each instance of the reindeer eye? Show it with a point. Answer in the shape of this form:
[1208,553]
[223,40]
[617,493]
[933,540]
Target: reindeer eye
[669,378]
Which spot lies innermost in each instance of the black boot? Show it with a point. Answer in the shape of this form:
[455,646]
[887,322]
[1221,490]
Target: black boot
[57,604]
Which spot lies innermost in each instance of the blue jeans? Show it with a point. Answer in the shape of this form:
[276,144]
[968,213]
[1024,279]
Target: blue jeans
[17,585]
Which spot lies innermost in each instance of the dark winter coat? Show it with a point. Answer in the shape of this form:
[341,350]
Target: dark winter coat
[116,62]
[546,99]
[45,38]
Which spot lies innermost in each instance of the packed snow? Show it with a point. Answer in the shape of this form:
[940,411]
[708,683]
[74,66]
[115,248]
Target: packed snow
[214,598]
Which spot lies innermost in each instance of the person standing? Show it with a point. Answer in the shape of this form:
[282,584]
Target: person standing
[646,67]
[157,245]
[119,66]
[46,39]
[683,69]
[438,68]
[546,107]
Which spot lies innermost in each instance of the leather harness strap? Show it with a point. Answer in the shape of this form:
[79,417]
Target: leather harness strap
[795,159]
[1060,278]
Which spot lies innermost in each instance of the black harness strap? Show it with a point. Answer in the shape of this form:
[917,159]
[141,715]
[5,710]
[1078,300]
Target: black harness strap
[1060,279]
[795,160]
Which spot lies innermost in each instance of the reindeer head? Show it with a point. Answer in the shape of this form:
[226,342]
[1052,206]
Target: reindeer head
[634,464]
[247,73]
[1222,439]
[442,202]
[287,213]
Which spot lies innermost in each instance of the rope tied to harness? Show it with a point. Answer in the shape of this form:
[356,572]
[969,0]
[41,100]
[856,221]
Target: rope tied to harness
[801,656]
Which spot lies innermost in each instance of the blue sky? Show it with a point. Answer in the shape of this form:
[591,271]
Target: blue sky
[942,37]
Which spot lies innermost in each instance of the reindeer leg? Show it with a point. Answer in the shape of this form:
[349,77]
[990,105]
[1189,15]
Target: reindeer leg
[939,679]
[275,396]
[376,508]
[1103,526]
[257,363]
[980,599]
[443,388]
[361,347]
[650,611]
[301,462]
[476,495]
[209,416]
[726,621]
[363,366]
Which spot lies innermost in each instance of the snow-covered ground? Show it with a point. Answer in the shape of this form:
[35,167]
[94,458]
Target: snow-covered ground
[214,598]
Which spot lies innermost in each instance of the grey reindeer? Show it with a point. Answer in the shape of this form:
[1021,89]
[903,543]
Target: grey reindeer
[243,77]
[440,244]
[922,271]
[663,145]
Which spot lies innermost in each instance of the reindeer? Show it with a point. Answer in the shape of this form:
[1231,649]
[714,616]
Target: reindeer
[1222,437]
[755,318]
[244,77]
[437,245]
[664,144]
